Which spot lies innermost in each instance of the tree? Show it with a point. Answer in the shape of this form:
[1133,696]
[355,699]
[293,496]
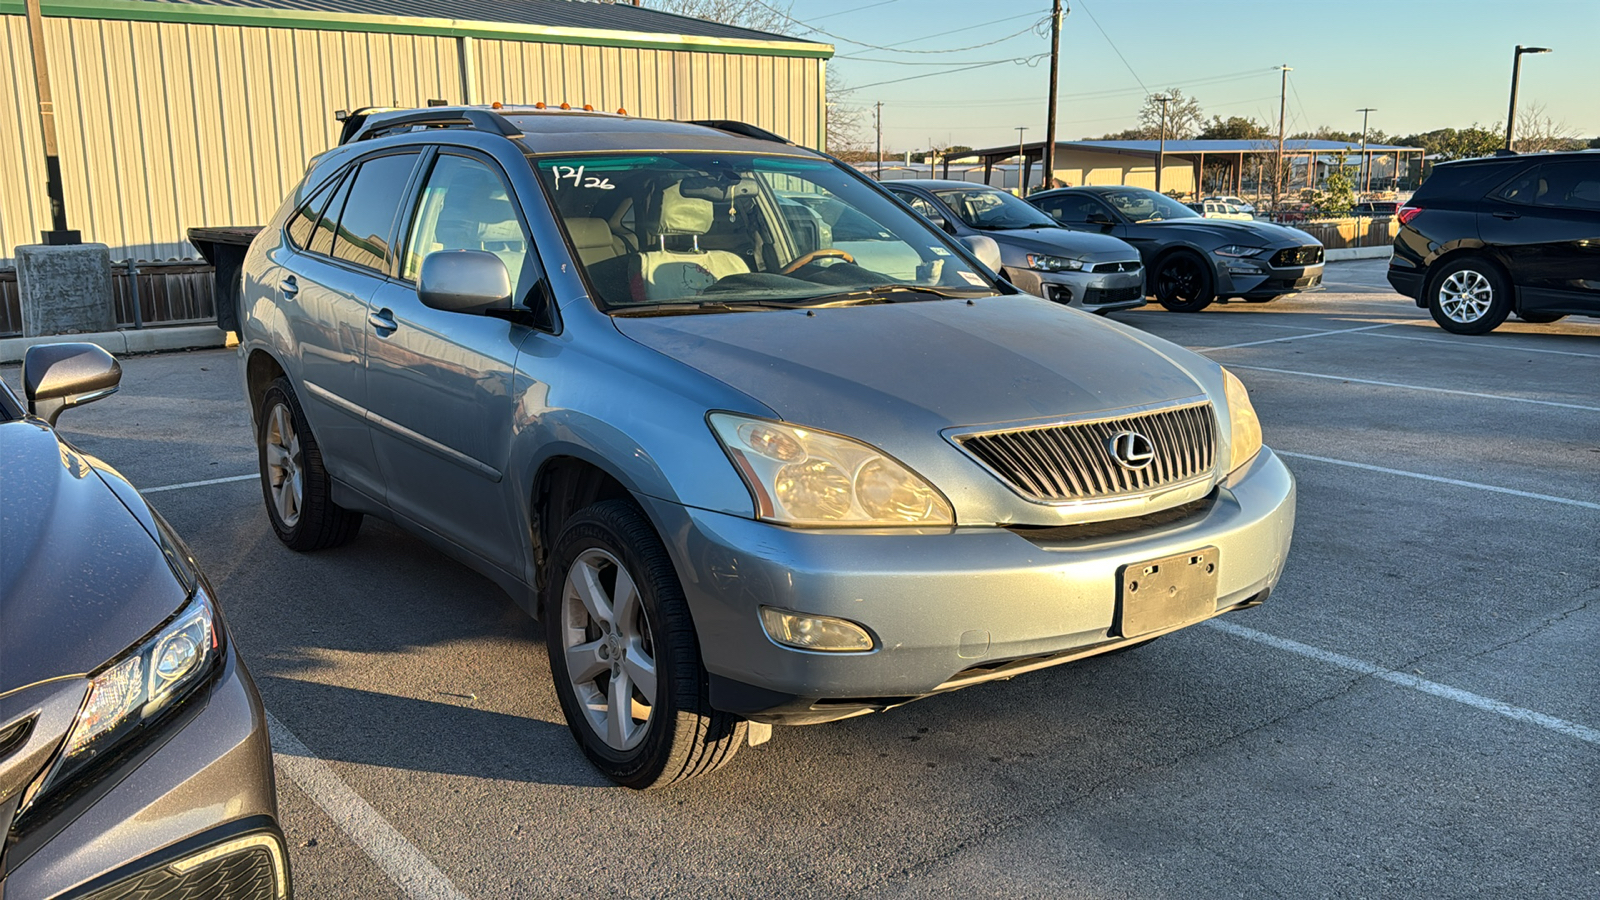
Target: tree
[750,14]
[1183,116]
[1341,194]
[1234,128]
[846,128]
[1537,131]
[1465,143]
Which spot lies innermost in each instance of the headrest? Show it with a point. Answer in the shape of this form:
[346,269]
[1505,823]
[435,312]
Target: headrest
[684,215]
[587,232]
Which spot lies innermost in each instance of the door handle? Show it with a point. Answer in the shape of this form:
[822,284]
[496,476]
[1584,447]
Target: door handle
[289,286]
[1506,214]
[382,321]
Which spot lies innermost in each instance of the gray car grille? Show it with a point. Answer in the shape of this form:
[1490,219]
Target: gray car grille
[1074,461]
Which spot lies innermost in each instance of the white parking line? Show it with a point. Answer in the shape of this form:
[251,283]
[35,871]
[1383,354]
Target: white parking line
[396,856]
[1418,387]
[1483,345]
[1293,337]
[1568,501]
[190,484]
[1467,698]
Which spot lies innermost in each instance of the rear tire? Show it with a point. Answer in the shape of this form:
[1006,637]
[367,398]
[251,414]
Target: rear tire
[1183,283]
[1541,318]
[1469,296]
[297,488]
[619,631]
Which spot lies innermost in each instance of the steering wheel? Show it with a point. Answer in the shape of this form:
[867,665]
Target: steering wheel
[813,256]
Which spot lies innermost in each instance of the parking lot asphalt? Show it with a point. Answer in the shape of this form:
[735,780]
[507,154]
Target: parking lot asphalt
[1412,713]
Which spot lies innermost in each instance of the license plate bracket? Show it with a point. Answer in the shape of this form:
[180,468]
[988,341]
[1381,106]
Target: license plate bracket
[1162,593]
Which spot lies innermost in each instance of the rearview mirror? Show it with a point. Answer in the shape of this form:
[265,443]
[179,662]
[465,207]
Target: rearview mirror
[463,280]
[985,249]
[56,377]
[1100,218]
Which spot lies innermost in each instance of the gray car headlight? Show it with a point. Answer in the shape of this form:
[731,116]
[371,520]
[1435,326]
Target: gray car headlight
[1244,429]
[1238,250]
[799,476]
[135,689]
[1054,263]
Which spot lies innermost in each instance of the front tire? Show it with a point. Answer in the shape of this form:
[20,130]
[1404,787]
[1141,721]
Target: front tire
[1469,296]
[297,488]
[625,657]
[1184,283]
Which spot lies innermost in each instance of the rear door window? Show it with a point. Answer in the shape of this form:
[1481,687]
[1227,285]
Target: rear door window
[1573,184]
[1524,188]
[367,220]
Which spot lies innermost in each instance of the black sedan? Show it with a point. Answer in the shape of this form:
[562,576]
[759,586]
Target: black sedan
[134,759]
[1192,261]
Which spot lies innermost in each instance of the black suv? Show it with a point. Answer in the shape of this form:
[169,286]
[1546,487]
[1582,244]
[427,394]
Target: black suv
[1484,238]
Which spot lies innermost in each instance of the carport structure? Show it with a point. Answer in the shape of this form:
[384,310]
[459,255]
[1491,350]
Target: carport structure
[1133,162]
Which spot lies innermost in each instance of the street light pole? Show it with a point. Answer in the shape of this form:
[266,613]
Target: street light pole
[1516,75]
[878,121]
[1049,157]
[1022,189]
[1161,149]
[1366,161]
[1283,105]
[58,233]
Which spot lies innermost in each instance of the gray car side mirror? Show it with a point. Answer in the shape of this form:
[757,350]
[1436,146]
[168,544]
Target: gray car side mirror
[463,280]
[56,377]
[985,249]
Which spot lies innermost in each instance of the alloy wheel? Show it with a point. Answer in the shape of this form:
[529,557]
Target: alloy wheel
[609,650]
[1179,279]
[285,477]
[1465,296]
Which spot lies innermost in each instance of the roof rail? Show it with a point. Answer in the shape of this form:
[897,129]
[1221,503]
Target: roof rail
[380,124]
[745,129]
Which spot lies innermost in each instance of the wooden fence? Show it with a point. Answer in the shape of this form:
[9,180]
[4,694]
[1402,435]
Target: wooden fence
[175,292]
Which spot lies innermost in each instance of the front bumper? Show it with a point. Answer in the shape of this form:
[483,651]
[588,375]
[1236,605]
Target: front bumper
[194,813]
[1255,279]
[949,607]
[1096,291]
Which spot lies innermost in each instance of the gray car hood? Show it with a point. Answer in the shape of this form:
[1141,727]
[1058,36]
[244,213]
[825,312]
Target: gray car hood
[82,578]
[897,374]
[1062,242]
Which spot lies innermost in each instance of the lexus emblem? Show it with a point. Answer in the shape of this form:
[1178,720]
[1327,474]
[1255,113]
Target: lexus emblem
[1131,449]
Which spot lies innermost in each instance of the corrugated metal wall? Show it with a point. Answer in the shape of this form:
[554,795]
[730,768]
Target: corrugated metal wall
[165,126]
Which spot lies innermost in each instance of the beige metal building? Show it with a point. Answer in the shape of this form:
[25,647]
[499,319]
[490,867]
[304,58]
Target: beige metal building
[204,112]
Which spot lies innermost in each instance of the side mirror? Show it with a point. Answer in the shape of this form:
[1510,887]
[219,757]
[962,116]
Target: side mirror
[56,377]
[463,281]
[1100,218]
[985,249]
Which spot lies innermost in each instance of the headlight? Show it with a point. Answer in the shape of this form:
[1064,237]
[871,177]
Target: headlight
[1237,250]
[143,682]
[1054,263]
[798,476]
[1244,429]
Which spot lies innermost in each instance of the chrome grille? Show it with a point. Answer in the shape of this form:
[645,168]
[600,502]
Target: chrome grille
[1074,461]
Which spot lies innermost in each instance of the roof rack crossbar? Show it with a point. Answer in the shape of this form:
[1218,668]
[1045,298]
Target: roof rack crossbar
[745,129]
[479,119]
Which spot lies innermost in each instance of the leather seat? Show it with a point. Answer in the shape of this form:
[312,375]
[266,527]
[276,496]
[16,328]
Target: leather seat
[664,274]
[594,240]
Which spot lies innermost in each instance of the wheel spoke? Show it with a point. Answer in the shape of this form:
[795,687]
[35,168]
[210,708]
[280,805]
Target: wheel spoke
[584,663]
[625,604]
[276,456]
[586,581]
[641,670]
[619,712]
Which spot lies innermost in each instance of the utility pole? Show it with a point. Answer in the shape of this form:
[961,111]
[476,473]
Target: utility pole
[1022,189]
[1049,159]
[1516,75]
[878,120]
[1366,161]
[1277,179]
[58,233]
[1161,149]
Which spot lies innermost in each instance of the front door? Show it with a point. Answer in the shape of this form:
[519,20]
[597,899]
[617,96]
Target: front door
[1547,223]
[440,384]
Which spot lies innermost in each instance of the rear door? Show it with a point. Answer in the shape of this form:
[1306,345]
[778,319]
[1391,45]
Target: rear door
[441,383]
[1546,221]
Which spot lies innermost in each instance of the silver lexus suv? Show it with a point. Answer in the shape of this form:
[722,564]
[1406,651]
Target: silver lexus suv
[745,476]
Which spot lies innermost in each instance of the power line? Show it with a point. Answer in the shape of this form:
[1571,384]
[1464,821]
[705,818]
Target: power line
[1088,95]
[891,49]
[1031,60]
[1113,46]
[857,9]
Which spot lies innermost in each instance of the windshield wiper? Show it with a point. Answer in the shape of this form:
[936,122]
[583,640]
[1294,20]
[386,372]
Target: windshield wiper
[692,308]
[879,294]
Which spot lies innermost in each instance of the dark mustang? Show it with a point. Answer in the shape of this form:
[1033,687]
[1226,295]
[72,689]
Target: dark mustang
[1192,261]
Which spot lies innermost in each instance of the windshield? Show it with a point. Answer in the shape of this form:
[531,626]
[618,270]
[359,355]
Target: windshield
[693,231]
[987,209]
[1140,205]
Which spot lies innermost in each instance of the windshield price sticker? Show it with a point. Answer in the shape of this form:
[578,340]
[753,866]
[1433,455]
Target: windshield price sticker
[940,251]
[575,174]
[972,278]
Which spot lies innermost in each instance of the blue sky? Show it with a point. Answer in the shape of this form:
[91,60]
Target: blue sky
[1423,64]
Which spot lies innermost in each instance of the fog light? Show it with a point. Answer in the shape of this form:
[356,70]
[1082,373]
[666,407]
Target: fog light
[821,633]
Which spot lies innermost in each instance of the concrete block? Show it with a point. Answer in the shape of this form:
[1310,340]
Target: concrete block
[65,289]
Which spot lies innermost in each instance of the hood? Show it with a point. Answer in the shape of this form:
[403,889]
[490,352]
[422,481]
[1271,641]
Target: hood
[1083,245]
[896,375]
[1266,233]
[82,578]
